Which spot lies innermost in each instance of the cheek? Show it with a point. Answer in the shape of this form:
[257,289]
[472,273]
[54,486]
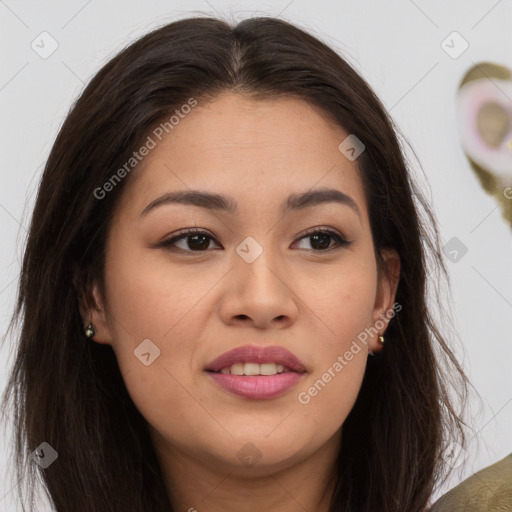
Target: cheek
[149,301]
[340,354]
[166,319]
[159,394]
[157,316]
[331,391]
[343,309]
[343,305]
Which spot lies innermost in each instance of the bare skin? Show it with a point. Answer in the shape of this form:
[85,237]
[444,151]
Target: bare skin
[311,296]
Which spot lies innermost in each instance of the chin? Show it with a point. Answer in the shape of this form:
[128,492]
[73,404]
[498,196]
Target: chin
[257,459]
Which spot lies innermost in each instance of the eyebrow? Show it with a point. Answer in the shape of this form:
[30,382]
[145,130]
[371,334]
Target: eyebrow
[213,201]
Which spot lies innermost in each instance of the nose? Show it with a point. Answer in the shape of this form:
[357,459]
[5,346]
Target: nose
[259,294]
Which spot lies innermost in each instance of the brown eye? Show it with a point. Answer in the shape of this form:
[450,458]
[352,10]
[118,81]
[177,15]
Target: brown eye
[320,240]
[198,242]
[195,241]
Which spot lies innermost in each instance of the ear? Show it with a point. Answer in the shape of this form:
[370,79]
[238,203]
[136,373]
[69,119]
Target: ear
[92,310]
[387,284]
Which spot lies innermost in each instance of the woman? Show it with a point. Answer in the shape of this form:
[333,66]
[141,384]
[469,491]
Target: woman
[223,293]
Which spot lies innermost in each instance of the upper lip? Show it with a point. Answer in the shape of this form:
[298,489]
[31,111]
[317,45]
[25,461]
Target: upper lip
[257,354]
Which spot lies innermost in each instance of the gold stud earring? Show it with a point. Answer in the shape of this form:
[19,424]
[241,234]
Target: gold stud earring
[381,338]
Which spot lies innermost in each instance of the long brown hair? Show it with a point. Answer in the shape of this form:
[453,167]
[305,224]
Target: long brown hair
[68,391]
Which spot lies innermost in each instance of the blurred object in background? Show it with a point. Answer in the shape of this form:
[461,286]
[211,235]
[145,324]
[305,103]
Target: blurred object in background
[484,120]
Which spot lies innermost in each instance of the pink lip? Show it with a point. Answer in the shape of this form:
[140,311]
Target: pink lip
[257,386]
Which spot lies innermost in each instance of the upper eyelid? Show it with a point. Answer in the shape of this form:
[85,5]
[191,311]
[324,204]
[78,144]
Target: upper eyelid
[202,231]
[323,229]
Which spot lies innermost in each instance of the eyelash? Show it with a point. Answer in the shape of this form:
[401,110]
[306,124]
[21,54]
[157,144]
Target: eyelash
[340,240]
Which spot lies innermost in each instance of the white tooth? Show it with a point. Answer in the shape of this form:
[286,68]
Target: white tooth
[237,369]
[268,369]
[254,369]
[251,369]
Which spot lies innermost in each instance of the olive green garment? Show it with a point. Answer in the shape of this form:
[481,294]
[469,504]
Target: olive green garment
[488,490]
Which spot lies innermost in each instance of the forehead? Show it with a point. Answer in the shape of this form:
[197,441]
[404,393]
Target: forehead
[252,149]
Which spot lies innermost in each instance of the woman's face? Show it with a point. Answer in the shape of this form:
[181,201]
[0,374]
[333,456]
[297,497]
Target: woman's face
[269,272]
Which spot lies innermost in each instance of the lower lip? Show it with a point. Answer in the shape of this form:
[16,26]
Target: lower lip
[257,386]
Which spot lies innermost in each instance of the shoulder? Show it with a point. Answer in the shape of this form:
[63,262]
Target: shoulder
[488,490]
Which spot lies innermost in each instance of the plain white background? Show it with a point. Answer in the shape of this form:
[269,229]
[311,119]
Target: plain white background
[395,45]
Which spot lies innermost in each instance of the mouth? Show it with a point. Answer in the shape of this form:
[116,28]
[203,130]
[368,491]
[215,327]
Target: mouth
[256,360]
[257,372]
